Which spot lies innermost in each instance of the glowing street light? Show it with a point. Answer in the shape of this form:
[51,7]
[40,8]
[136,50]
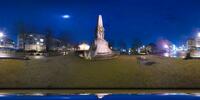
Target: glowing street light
[198,34]
[166,46]
[41,40]
[1,34]
[37,43]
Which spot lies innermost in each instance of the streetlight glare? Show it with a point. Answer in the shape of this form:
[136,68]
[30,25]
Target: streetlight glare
[41,40]
[198,34]
[66,16]
[165,46]
[37,43]
[1,34]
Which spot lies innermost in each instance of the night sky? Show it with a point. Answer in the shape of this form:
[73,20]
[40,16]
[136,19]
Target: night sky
[124,20]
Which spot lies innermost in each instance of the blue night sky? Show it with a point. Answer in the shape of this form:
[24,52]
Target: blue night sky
[124,20]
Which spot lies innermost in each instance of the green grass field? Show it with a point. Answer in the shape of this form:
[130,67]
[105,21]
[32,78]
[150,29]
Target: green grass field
[123,72]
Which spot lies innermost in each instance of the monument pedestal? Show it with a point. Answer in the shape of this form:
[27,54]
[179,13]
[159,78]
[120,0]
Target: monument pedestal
[102,50]
[102,47]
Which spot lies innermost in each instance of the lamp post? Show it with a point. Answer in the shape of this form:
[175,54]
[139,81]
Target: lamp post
[1,38]
[1,34]
[198,34]
[37,46]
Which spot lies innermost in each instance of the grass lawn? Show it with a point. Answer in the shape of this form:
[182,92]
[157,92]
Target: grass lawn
[123,72]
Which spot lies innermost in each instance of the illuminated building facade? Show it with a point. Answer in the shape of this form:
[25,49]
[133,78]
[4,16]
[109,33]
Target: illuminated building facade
[193,43]
[32,42]
[7,43]
[83,47]
[37,42]
[193,46]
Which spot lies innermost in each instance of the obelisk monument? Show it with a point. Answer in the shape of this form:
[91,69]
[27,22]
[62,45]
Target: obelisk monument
[101,45]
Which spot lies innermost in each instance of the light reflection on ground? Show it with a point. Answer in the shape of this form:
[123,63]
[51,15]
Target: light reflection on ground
[38,57]
[4,55]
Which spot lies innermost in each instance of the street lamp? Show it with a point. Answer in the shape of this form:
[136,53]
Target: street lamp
[1,34]
[41,40]
[37,43]
[198,34]
[37,46]
[166,46]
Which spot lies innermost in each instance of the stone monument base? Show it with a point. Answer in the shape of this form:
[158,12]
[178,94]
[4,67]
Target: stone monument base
[107,56]
[102,47]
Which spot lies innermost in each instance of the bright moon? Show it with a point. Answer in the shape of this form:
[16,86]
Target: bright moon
[66,16]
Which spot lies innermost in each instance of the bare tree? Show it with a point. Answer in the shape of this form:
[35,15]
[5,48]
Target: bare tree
[48,37]
[22,32]
[111,43]
[123,44]
[65,38]
[136,44]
